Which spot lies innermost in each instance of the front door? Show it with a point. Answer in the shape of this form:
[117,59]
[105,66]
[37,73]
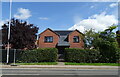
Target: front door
[61,49]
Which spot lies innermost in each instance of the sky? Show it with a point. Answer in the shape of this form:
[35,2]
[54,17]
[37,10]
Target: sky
[64,15]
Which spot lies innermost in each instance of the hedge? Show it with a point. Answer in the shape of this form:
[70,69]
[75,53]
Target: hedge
[81,55]
[118,55]
[92,55]
[39,55]
[30,56]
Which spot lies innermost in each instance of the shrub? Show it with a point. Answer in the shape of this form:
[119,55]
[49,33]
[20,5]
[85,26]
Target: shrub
[81,55]
[92,55]
[118,55]
[74,55]
[108,52]
[40,55]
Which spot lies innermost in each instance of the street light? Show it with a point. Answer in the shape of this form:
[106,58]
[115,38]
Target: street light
[9,32]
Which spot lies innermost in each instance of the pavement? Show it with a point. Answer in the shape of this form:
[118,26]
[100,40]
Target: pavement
[62,66]
[61,63]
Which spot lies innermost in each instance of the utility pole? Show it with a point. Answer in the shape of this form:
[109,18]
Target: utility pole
[8,46]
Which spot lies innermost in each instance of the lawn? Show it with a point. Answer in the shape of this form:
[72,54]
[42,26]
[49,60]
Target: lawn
[95,64]
[41,63]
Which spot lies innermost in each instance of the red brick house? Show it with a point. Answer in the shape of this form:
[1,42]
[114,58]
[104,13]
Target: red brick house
[60,39]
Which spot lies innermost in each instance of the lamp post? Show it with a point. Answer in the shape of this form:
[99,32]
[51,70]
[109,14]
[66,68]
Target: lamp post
[8,45]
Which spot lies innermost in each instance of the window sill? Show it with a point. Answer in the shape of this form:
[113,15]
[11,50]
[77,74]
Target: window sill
[76,42]
[48,42]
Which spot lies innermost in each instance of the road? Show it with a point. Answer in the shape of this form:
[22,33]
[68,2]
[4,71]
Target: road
[36,72]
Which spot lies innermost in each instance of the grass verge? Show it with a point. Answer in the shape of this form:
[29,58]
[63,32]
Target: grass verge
[95,64]
[41,63]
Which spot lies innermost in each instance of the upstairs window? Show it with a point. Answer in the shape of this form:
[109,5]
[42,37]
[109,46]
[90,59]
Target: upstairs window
[76,39]
[48,39]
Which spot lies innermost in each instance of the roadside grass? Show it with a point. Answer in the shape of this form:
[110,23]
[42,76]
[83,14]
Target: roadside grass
[41,63]
[95,64]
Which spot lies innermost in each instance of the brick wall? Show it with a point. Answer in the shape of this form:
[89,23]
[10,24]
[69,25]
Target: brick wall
[75,45]
[42,44]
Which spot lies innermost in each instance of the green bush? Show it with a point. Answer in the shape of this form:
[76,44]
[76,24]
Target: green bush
[108,52]
[81,55]
[118,55]
[92,55]
[74,55]
[39,55]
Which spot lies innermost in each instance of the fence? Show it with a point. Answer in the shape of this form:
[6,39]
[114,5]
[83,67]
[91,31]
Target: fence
[14,55]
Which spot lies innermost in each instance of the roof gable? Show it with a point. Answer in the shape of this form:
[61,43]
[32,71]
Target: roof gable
[49,30]
[77,31]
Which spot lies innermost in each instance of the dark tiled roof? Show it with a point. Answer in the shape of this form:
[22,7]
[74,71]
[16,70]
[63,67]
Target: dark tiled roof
[63,42]
[63,32]
[63,36]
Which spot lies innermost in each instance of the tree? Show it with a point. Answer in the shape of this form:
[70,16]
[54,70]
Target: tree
[105,42]
[118,37]
[90,36]
[107,45]
[108,34]
[23,35]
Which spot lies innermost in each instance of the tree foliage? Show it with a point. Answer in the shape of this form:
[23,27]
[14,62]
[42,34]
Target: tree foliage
[90,36]
[105,42]
[108,45]
[118,37]
[22,34]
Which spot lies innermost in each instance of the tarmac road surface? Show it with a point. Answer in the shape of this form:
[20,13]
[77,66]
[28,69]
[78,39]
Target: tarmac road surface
[50,72]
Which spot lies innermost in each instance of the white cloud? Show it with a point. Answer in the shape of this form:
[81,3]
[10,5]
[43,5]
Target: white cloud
[43,18]
[99,22]
[23,13]
[113,5]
